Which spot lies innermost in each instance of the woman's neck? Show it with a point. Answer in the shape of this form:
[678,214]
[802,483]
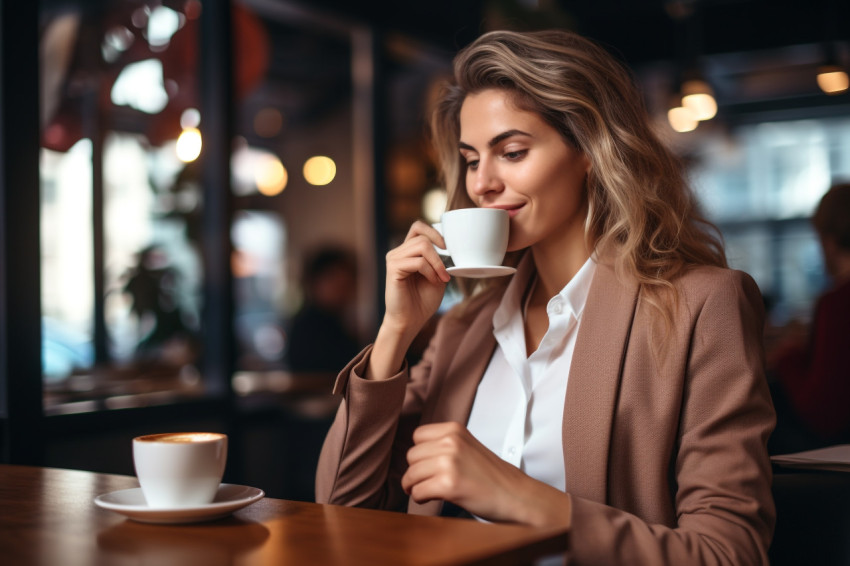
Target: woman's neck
[556,266]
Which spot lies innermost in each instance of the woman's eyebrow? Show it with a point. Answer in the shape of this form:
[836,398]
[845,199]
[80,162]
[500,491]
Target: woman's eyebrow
[496,139]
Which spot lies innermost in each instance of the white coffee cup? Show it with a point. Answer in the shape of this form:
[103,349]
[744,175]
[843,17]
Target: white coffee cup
[180,469]
[475,237]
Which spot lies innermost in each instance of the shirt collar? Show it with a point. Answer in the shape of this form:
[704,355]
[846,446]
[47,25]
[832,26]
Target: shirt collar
[573,295]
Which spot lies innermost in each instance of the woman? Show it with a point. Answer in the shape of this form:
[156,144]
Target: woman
[614,384]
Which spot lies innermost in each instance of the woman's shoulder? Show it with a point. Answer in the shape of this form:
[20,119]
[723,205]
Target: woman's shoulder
[711,275]
[703,283]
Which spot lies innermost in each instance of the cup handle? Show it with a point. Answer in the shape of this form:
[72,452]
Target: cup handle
[438,226]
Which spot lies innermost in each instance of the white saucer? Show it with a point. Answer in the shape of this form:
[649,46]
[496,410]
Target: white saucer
[484,271]
[131,503]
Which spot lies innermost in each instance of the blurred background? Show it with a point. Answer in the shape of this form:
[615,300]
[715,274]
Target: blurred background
[172,170]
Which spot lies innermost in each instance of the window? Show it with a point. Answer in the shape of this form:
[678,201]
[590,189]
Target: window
[761,186]
[121,272]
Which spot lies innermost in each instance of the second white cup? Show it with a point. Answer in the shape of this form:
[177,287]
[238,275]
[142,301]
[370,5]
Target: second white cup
[475,237]
[180,469]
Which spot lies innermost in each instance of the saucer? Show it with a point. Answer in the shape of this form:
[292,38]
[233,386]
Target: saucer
[483,271]
[131,503]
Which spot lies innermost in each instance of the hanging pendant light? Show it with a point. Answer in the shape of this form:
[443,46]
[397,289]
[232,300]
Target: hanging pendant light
[680,117]
[698,97]
[832,77]
[694,102]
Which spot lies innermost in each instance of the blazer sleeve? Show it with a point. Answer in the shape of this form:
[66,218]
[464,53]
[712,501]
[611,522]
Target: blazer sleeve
[364,453]
[720,475]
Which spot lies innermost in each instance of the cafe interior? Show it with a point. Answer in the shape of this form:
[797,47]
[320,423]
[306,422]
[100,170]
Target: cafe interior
[169,168]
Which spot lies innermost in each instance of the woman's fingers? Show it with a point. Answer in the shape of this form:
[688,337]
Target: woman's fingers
[424,229]
[436,461]
[433,236]
[403,268]
[417,255]
[421,473]
[436,431]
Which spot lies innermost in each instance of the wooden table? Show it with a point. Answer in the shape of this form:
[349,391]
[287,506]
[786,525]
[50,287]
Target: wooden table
[48,517]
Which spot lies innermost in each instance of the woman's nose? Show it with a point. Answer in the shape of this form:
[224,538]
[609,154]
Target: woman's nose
[485,179]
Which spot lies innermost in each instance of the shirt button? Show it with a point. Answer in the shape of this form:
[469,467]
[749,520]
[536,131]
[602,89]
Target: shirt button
[512,451]
[556,308]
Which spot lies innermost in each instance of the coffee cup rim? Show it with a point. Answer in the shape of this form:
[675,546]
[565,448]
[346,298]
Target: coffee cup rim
[205,437]
[477,208]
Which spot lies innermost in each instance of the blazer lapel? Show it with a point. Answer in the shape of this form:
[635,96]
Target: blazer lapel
[594,382]
[467,367]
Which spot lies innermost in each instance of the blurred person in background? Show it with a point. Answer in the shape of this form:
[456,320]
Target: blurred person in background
[320,336]
[810,369]
[614,385]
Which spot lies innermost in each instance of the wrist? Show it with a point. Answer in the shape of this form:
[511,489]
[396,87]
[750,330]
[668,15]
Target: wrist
[544,506]
[398,334]
[388,352]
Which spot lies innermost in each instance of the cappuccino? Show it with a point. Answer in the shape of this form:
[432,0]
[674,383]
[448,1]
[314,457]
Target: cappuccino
[181,469]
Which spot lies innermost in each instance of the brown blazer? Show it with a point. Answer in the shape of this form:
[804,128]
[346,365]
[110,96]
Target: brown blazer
[665,456]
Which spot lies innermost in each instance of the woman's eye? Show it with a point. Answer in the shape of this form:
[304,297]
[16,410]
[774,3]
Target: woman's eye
[515,155]
[473,165]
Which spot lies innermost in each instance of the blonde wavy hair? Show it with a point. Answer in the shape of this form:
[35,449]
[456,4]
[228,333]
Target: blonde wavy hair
[642,214]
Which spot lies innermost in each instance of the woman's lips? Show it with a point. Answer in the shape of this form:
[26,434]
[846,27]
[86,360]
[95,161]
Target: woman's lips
[512,210]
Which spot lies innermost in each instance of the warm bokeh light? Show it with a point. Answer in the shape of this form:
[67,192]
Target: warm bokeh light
[270,175]
[833,79]
[268,122]
[434,204]
[189,145]
[698,98]
[319,170]
[682,119]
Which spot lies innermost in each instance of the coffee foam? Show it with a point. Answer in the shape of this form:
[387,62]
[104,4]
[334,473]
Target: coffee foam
[181,437]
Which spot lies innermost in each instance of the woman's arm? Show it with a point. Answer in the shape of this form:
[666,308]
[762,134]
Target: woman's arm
[363,456]
[416,282]
[356,456]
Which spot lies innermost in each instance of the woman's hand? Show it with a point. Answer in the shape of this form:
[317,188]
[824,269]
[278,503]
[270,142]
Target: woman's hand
[416,282]
[416,279]
[448,463]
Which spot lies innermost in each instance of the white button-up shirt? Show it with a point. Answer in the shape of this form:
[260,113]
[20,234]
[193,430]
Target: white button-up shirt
[519,407]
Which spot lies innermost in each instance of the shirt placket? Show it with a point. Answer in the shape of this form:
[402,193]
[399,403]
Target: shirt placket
[515,433]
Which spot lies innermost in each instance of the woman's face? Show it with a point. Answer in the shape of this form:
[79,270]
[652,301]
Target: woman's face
[518,162]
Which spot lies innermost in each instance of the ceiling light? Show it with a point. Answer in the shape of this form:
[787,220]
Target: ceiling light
[682,119]
[189,145]
[833,79]
[698,97]
[319,170]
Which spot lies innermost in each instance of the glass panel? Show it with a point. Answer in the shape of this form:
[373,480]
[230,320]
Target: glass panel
[67,284]
[121,272]
[153,269]
[259,244]
[761,185]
